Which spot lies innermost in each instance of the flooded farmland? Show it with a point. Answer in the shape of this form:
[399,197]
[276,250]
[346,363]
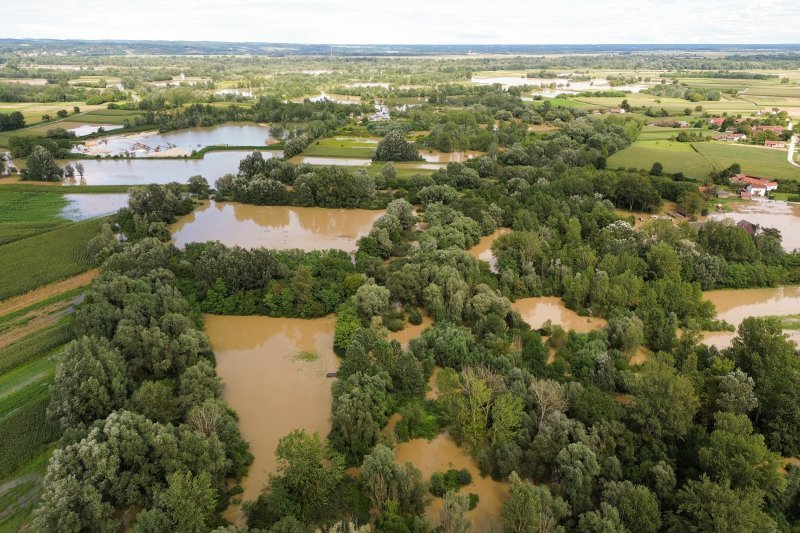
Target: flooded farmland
[782,216]
[151,170]
[441,454]
[432,156]
[275,227]
[271,388]
[178,142]
[537,311]
[483,250]
[83,206]
[326,161]
[735,305]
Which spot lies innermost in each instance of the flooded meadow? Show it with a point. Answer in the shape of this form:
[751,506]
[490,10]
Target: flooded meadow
[536,311]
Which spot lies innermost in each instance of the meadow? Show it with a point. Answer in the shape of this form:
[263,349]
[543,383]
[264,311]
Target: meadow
[342,147]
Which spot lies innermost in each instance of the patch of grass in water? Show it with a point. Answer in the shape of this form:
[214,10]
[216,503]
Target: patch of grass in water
[307,356]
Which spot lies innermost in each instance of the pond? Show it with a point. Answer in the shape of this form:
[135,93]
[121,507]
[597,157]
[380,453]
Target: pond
[483,250]
[88,129]
[442,454]
[537,311]
[735,305]
[275,227]
[782,216]
[150,170]
[83,206]
[178,142]
[270,386]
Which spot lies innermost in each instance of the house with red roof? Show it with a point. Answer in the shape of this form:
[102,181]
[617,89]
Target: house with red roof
[755,185]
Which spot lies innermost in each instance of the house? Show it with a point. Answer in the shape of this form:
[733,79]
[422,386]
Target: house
[777,130]
[749,227]
[754,185]
[716,121]
[775,144]
[731,137]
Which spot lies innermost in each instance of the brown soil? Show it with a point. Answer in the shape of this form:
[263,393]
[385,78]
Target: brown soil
[47,291]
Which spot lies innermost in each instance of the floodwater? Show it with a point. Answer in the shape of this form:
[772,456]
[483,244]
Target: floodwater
[326,161]
[735,305]
[149,170]
[537,311]
[88,129]
[432,156]
[405,335]
[440,455]
[782,216]
[563,85]
[271,389]
[178,142]
[275,227]
[83,206]
[483,250]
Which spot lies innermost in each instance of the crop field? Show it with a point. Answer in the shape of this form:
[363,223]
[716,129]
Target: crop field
[35,261]
[34,346]
[108,116]
[33,111]
[655,133]
[24,417]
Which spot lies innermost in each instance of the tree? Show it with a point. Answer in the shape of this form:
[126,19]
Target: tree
[371,299]
[665,402]
[578,467]
[156,401]
[40,166]
[736,456]
[198,186]
[187,503]
[394,147]
[307,474]
[762,351]
[386,482]
[79,169]
[657,169]
[638,507]
[453,515]
[707,506]
[71,506]
[604,520]
[91,381]
[691,203]
[359,410]
[507,414]
[549,397]
[532,508]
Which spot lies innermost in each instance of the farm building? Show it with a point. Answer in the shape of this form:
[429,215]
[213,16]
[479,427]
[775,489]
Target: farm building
[731,137]
[777,130]
[775,144]
[754,185]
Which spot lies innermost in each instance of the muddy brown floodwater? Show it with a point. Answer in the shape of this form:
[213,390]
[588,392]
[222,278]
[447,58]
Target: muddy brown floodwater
[433,156]
[405,335]
[442,454]
[483,250]
[272,389]
[782,216]
[736,305]
[537,311]
[275,227]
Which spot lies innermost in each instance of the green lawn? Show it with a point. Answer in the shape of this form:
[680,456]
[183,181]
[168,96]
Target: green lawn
[45,258]
[655,133]
[341,146]
[755,160]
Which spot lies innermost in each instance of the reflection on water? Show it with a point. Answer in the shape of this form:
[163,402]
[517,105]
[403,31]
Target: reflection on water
[483,250]
[432,156]
[782,216]
[87,129]
[83,206]
[736,305]
[440,455]
[150,170]
[537,311]
[338,161]
[275,227]
[270,388]
[186,140]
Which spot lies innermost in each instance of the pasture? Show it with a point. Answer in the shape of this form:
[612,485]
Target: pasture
[340,146]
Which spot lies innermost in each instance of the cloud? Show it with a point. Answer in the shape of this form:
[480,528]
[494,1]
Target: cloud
[411,21]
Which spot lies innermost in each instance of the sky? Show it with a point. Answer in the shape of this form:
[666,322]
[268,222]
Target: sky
[409,21]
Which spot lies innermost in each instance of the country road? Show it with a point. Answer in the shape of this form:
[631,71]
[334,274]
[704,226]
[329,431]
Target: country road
[790,153]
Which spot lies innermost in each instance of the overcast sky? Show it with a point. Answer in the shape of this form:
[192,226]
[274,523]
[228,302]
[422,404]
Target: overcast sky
[409,21]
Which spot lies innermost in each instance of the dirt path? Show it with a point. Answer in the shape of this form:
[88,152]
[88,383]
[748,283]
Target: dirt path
[790,153]
[24,499]
[22,301]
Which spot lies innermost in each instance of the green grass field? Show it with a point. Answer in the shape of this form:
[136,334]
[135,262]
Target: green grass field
[342,147]
[656,133]
[45,258]
[697,160]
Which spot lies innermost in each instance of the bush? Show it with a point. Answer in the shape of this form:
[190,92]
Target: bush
[415,317]
[443,482]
